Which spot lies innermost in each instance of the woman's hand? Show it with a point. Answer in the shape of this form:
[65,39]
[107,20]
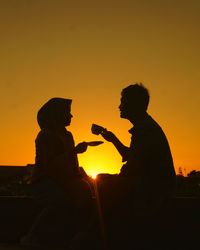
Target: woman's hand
[81,147]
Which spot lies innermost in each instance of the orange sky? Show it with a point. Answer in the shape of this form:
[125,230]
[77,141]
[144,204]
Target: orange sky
[89,51]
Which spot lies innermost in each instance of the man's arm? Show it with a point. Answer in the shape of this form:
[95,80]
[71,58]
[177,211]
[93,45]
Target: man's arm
[121,148]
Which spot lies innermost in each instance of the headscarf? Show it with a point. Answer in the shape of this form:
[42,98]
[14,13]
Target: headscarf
[51,113]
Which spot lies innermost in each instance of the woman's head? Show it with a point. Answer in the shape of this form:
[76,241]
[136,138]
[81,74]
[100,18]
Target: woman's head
[55,113]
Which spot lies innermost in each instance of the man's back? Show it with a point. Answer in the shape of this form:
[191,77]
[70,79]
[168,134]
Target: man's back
[150,162]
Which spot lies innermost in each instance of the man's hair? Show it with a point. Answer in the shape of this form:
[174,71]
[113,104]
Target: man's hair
[137,94]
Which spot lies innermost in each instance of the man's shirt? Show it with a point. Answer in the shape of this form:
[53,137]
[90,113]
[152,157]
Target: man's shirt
[149,162]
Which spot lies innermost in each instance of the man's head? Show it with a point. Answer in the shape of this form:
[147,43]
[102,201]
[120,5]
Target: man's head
[134,101]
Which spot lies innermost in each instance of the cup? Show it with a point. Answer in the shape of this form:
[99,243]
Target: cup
[96,129]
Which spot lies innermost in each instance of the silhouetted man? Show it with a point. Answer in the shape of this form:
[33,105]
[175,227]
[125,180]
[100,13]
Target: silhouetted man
[148,170]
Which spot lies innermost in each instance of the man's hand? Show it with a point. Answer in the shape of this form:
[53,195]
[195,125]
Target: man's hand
[108,135]
[81,147]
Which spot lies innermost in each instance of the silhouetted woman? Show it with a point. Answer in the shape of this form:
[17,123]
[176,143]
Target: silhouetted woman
[56,178]
[56,154]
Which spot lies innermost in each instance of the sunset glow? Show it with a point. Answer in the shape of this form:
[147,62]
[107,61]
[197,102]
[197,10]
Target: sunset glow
[89,51]
[94,175]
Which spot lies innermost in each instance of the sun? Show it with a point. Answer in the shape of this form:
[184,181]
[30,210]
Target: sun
[94,175]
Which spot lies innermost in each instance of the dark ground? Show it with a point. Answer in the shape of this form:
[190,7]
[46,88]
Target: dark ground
[177,228]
